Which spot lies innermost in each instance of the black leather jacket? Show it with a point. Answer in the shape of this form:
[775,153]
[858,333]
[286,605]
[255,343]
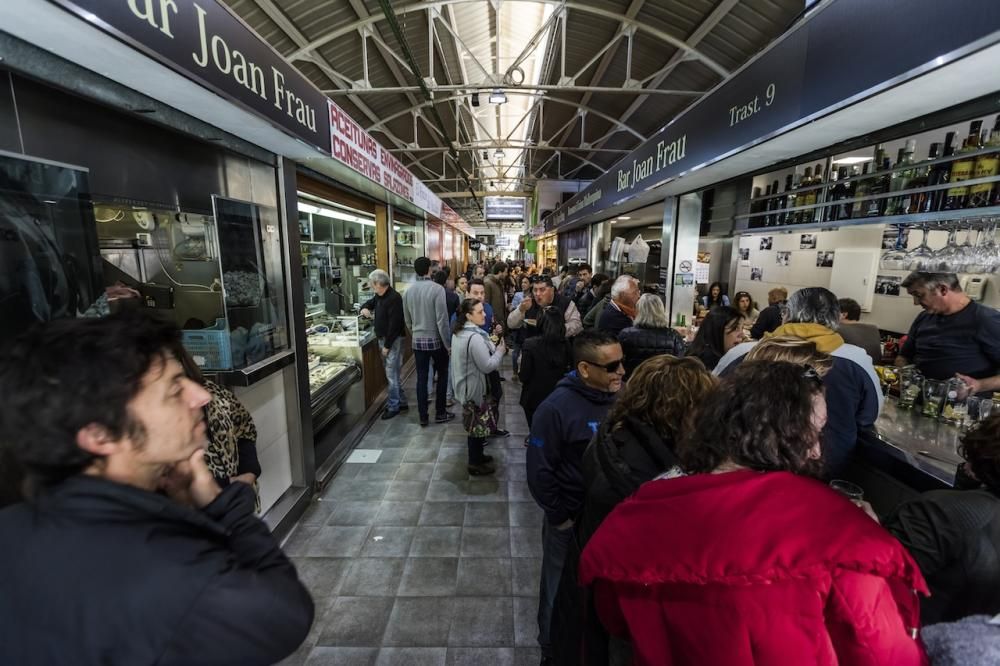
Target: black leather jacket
[639,343]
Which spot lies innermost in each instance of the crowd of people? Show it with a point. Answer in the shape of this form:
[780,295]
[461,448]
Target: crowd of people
[688,517]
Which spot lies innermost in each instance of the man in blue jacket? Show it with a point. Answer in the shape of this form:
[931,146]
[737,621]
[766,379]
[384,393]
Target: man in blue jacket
[560,430]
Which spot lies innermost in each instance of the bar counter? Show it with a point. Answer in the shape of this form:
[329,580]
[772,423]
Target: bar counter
[929,446]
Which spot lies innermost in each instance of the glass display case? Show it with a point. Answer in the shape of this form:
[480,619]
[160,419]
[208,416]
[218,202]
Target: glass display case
[217,274]
[334,346]
[408,239]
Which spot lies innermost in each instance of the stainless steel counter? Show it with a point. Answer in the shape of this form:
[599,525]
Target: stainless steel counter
[928,445]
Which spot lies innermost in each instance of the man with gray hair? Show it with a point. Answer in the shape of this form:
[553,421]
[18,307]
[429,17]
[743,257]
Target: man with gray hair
[953,334]
[387,308]
[853,393]
[620,311]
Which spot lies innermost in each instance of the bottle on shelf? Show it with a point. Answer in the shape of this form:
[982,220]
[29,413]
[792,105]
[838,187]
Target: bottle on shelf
[802,198]
[900,179]
[986,166]
[939,174]
[961,169]
[786,201]
[774,204]
[755,203]
[916,202]
[840,194]
[861,188]
[768,205]
[880,185]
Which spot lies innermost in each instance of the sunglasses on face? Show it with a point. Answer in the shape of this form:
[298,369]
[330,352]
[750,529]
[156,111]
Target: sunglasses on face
[607,367]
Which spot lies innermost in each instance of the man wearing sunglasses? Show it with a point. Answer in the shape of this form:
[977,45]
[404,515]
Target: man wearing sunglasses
[561,428]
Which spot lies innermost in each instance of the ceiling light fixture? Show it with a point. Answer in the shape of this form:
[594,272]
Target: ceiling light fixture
[623,218]
[853,160]
[498,97]
[498,154]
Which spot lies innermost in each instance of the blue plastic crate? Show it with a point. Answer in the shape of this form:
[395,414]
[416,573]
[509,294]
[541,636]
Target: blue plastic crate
[210,347]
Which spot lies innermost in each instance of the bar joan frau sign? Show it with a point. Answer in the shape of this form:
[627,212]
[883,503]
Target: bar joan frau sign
[206,42]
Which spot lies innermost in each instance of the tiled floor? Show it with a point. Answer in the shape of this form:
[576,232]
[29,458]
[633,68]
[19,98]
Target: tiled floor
[411,561]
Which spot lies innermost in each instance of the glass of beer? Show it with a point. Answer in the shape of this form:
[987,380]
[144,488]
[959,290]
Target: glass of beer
[934,393]
[911,383]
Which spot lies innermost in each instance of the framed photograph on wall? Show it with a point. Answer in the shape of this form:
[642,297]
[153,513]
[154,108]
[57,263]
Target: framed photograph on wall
[807,242]
[765,242]
[824,259]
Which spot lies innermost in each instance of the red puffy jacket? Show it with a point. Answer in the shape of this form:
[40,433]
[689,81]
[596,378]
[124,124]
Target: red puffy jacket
[753,568]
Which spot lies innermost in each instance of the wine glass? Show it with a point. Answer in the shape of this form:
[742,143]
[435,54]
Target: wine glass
[895,259]
[921,257]
[950,258]
[977,260]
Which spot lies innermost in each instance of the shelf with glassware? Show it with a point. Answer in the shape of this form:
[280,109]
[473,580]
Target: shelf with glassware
[950,184]
[218,276]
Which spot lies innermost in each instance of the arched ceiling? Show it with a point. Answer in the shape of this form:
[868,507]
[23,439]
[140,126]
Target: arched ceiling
[585,82]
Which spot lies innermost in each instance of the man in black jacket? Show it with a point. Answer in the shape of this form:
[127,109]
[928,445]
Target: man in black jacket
[127,551]
[387,308]
[770,317]
[620,310]
[561,428]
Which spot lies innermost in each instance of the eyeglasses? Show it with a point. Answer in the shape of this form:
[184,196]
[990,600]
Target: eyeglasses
[607,367]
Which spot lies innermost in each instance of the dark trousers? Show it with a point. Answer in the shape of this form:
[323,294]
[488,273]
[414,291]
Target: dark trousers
[496,393]
[423,360]
[555,543]
[475,445]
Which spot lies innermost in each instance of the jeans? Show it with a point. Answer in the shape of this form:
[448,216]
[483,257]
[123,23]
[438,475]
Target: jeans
[391,363]
[555,543]
[423,360]
[515,357]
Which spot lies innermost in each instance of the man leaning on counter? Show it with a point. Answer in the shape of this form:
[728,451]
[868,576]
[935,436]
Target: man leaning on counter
[954,335]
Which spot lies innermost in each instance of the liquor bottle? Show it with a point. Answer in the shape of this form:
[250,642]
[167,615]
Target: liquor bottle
[768,205]
[803,198]
[861,188]
[879,185]
[900,179]
[986,166]
[939,175]
[755,202]
[914,203]
[838,196]
[786,201]
[775,204]
[961,169]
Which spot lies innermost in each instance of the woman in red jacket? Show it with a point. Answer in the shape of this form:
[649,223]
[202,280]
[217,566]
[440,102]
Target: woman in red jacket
[748,560]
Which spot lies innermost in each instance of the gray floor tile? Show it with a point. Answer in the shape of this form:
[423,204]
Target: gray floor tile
[317,513]
[517,491]
[453,471]
[420,621]
[517,454]
[297,542]
[388,541]
[337,542]
[526,542]
[399,513]
[407,491]
[355,621]
[322,576]
[485,490]
[411,657]
[373,577]
[486,514]
[442,514]
[446,491]
[485,622]
[526,573]
[380,471]
[526,621]
[527,656]
[356,490]
[453,455]
[352,513]
[342,656]
[484,577]
[516,471]
[429,576]
[390,454]
[485,542]
[525,514]
[480,657]
[436,542]
[416,455]
[415,472]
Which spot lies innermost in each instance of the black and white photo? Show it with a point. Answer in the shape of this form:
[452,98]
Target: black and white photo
[807,242]
[887,285]
[783,258]
[757,273]
[824,259]
[745,256]
[765,242]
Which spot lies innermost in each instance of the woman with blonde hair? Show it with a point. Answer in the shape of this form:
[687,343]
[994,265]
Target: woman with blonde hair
[635,444]
[791,350]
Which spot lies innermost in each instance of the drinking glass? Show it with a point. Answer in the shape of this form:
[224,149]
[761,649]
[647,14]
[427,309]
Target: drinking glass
[977,260]
[934,392]
[911,383]
[851,491]
[895,259]
[951,257]
[955,402]
[986,407]
[922,256]
[972,405]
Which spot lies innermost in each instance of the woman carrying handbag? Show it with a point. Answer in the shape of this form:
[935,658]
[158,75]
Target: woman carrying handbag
[473,356]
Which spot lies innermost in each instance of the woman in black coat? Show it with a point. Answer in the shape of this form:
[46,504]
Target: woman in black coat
[635,444]
[650,335]
[545,359]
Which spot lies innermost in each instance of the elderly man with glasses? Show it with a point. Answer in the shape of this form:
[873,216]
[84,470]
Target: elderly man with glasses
[561,428]
[529,312]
